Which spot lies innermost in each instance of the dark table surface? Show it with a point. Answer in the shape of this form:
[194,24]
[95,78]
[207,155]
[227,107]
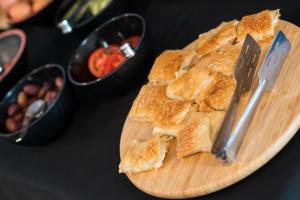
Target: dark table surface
[82,164]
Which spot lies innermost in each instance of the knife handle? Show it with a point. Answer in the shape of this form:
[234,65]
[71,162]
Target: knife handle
[236,139]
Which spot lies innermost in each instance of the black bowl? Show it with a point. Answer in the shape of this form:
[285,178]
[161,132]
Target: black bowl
[44,16]
[53,120]
[127,74]
[13,51]
[113,8]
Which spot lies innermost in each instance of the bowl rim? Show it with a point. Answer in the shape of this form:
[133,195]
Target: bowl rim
[113,19]
[21,34]
[22,81]
[11,22]
[85,22]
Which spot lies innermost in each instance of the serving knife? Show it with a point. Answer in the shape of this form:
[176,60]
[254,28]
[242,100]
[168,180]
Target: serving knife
[243,73]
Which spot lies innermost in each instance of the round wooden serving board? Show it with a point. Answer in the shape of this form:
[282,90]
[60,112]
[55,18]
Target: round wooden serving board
[276,121]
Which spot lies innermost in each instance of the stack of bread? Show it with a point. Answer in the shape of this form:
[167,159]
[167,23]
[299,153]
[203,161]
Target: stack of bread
[189,91]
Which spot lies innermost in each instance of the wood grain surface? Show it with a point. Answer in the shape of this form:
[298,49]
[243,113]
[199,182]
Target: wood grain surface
[276,121]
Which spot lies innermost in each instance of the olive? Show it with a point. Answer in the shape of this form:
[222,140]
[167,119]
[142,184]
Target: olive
[59,82]
[11,125]
[50,96]
[22,99]
[13,109]
[31,89]
[18,118]
[42,92]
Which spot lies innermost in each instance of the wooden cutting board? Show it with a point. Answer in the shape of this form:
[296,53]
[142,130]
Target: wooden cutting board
[276,121]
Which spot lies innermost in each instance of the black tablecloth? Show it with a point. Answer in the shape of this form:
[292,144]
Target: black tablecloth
[82,164]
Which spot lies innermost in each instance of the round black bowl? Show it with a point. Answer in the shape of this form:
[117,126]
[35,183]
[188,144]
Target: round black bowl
[127,74]
[13,51]
[55,118]
[113,8]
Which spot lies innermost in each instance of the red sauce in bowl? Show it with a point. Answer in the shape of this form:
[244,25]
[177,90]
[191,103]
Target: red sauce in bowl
[103,61]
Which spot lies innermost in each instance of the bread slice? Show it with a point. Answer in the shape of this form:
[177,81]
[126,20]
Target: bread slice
[145,155]
[221,98]
[148,102]
[189,85]
[216,119]
[222,60]
[198,133]
[168,63]
[169,118]
[218,94]
[260,26]
[194,137]
[225,33]
[203,107]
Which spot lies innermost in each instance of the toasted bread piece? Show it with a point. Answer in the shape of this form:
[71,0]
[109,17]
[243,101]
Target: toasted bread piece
[260,26]
[148,102]
[203,107]
[221,60]
[168,120]
[216,119]
[189,85]
[222,93]
[168,63]
[198,133]
[218,94]
[145,155]
[194,137]
[220,99]
[224,34]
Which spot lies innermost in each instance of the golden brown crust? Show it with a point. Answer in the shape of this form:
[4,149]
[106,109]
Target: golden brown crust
[220,99]
[145,155]
[259,26]
[218,95]
[194,137]
[198,133]
[189,85]
[148,102]
[224,34]
[203,107]
[168,63]
[216,119]
[221,60]
[168,119]
[222,93]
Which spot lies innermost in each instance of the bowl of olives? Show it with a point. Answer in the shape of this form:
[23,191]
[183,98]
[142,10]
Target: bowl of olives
[37,108]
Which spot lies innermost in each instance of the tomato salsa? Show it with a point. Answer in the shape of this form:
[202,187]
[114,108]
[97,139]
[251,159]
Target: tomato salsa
[5,69]
[103,61]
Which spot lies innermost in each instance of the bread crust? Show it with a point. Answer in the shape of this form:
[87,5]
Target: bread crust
[148,102]
[168,120]
[189,85]
[260,26]
[145,155]
[198,133]
[168,63]
[224,34]
[218,96]
[222,60]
